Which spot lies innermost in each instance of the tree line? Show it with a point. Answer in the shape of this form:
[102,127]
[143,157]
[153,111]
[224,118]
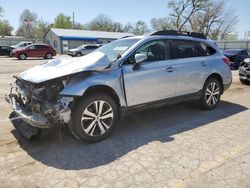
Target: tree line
[213,18]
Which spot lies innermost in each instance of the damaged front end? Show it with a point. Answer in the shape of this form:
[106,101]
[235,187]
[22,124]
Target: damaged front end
[40,105]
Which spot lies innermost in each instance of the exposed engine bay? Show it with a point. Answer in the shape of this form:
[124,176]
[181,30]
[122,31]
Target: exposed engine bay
[41,102]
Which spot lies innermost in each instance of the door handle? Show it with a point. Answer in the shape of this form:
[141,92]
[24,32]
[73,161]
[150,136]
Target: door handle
[170,69]
[204,63]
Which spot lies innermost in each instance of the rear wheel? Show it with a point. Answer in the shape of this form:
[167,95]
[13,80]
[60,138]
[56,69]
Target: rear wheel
[22,56]
[94,118]
[211,94]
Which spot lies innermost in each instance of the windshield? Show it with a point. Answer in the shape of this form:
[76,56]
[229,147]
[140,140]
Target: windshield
[115,49]
[82,46]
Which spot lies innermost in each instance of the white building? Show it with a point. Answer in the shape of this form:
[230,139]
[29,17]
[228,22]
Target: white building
[64,39]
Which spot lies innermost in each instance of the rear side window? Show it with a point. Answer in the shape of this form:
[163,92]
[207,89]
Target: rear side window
[186,49]
[41,47]
[90,47]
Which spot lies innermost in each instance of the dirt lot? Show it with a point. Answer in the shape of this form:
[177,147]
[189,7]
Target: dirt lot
[173,146]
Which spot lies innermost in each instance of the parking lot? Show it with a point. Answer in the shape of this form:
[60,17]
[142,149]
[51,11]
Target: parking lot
[172,146]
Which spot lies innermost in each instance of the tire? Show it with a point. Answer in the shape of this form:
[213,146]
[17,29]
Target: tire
[211,94]
[22,56]
[48,56]
[88,123]
[243,81]
[78,54]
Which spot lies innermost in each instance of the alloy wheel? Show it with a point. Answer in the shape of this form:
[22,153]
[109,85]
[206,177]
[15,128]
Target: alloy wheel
[212,94]
[49,56]
[97,118]
[22,56]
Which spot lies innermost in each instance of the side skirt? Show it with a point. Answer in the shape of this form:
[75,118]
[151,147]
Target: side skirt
[125,111]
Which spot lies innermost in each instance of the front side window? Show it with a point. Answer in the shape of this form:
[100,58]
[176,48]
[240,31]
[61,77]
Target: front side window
[31,47]
[154,51]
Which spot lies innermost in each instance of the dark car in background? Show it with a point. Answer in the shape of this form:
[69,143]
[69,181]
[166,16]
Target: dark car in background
[244,71]
[5,50]
[34,50]
[236,56]
[82,50]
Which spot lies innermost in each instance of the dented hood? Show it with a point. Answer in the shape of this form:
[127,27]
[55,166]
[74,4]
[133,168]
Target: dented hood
[95,61]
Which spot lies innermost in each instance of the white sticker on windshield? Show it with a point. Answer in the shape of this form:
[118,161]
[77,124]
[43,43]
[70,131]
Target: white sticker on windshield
[121,48]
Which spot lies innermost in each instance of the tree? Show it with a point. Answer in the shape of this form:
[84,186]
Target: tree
[1,11]
[160,24]
[78,25]
[27,21]
[216,21]
[42,27]
[62,21]
[5,28]
[138,28]
[101,23]
[182,10]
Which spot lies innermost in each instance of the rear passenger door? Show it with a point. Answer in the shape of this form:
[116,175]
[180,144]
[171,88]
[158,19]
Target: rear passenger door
[193,64]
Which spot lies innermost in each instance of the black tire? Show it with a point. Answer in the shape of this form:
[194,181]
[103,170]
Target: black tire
[210,101]
[49,56]
[81,128]
[22,56]
[78,54]
[244,82]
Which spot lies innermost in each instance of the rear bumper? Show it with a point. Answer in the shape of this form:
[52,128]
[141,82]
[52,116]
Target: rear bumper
[35,120]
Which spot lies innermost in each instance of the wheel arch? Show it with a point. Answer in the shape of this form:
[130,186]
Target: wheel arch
[107,90]
[102,89]
[218,77]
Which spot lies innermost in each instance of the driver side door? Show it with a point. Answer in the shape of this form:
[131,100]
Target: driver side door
[154,79]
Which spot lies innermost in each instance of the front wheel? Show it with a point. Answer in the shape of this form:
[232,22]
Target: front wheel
[48,56]
[78,54]
[94,117]
[211,94]
[22,56]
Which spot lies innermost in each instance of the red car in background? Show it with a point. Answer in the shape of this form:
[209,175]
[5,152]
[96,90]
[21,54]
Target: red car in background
[34,50]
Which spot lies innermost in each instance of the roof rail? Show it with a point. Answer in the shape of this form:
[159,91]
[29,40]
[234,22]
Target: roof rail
[179,33]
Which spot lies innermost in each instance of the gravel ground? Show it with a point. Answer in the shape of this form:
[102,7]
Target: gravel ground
[173,146]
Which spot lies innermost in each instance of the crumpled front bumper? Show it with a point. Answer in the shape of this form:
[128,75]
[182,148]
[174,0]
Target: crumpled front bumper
[35,120]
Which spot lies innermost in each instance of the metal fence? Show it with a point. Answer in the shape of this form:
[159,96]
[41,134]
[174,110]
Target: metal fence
[233,44]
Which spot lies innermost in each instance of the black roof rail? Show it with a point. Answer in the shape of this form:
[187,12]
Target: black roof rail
[179,33]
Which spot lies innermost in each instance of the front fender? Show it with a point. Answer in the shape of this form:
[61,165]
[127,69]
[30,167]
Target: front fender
[112,78]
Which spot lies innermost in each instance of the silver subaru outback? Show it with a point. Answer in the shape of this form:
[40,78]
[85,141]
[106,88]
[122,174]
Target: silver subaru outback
[91,93]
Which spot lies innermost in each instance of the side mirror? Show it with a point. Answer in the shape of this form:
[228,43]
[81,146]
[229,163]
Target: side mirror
[139,58]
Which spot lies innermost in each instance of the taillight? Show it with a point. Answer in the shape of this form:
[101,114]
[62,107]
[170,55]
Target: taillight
[226,60]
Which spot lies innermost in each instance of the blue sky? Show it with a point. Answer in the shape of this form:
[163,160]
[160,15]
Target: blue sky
[121,11]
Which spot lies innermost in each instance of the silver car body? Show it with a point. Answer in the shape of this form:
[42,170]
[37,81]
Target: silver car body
[152,82]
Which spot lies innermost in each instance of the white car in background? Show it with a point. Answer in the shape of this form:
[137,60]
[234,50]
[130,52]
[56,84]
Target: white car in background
[22,44]
[83,50]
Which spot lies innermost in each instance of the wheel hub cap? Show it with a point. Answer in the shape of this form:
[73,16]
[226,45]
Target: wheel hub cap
[212,94]
[97,118]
